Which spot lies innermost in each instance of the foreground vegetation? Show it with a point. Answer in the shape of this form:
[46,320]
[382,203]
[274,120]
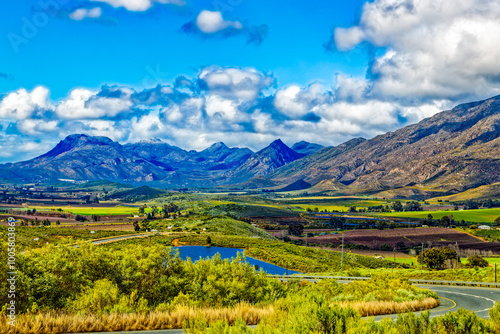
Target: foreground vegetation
[149,286]
[317,317]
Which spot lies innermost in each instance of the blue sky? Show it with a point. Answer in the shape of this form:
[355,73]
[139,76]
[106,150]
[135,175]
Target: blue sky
[244,72]
[121,45]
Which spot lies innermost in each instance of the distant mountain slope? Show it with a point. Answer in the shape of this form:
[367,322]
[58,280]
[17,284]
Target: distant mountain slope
[263,162]
[82,157]
[327,185]
[297,185]
[482,192]
[256,182]
[297,170]
[306,148]
[86,158]
[453,150]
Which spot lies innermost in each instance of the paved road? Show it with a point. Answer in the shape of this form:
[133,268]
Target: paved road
[479,300]
[97,242]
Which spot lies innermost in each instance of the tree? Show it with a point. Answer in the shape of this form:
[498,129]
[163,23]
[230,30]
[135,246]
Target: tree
[476,261]
[448,253]
[497,221]
[154,210]
[433,258]
[337,222]
[471,205]
[352,209]
[209,240]
[445,221]
[397,206]
[413,206]
[296,229]
[80,218]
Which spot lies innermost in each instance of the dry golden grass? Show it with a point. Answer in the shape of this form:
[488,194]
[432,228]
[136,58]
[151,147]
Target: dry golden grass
[391,307]
[52,323]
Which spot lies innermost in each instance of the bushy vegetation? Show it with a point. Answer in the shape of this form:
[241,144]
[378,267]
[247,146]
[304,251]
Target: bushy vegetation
[57,236]
[303,259]
[476,261]
[301,314]
[66,277]
[463,274]
[488,235]
[74,278]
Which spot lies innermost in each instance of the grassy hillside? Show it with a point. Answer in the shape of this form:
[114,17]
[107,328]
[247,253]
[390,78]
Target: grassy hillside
[143,193]
[482,192]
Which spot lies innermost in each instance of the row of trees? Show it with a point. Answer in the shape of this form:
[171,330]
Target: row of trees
[445,257]
[471,204]
[409,206]
[165,211]
[445,221]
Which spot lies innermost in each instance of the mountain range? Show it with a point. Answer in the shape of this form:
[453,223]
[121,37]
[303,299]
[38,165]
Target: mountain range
[154,162]
[450,152]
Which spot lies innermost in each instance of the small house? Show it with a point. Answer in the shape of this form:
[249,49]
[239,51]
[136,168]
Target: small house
[484,227]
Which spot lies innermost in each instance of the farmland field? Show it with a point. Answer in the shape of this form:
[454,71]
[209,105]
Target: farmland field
[493,260]
[312,198]
[412,237]
[476,216]
[101,211]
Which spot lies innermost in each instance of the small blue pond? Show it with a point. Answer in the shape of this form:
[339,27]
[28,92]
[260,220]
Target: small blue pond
[195,252]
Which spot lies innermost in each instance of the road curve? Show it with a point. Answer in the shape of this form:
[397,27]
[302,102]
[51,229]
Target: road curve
[478,300]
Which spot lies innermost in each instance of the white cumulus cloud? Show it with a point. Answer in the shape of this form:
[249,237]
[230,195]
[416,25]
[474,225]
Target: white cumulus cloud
[21,104]
[245,84]
[435,48]
[86,104]
[140,5]
[83,13]
[211,22]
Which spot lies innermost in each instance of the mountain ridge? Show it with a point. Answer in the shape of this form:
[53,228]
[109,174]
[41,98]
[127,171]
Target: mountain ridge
[455,149]
[452,151]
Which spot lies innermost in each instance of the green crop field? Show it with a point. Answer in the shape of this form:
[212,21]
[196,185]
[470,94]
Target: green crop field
[475,216]
[321,207]
[101,211]
[312,198]
[493,260]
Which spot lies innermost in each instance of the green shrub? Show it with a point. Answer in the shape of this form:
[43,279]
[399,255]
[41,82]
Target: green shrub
[476,261]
